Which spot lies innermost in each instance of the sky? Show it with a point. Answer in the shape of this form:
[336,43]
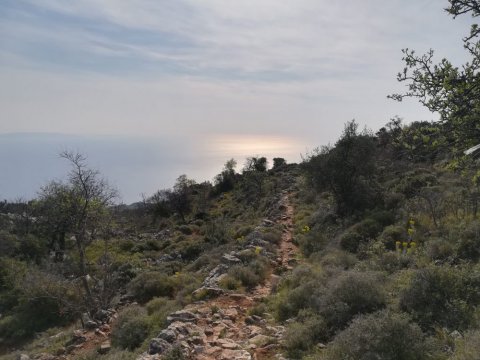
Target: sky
[151,89]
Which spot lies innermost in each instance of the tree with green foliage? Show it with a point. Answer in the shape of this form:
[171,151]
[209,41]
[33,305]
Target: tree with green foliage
[452,92]
[346,169]
[225,181]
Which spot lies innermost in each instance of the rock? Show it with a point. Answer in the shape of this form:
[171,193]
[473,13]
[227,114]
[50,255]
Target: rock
[23,357]
[197,340]
[198,349]
[235,354]
[212,350]
[227,344]
[100,333]
[179,327]
[209,291]
[90,325]
[56,336]
[44,356]
[158,346]
[456,334]
[168,335]
[70,348]
[182,316]
[232,314]
[105,347]
[101,315]
[230,259]
[125,299]
[214,276]
[254,330]
[267,222]
[105,328]
[77,338]
[261,340]
[208,331]
[321,346]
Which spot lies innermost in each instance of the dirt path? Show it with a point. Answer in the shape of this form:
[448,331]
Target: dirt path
[222,328]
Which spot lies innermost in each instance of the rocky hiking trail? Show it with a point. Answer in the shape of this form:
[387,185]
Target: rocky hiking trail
[220,328]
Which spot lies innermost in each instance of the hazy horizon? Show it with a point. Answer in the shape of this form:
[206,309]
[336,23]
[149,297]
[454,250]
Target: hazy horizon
[134,165]
[167,88]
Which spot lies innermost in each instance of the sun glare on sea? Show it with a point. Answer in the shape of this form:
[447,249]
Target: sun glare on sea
[238,146]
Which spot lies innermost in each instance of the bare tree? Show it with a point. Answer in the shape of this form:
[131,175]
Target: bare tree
[79,207]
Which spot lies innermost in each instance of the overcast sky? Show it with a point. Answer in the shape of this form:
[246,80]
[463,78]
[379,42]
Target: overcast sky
[195,82]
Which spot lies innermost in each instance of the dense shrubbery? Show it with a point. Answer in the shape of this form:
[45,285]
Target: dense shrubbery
[151,284]
[442,296]
[382,335]
[302,335]
[350,294]
[360,233]
[131,328]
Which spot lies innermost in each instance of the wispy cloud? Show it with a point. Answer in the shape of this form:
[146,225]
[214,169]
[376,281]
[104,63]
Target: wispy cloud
[254,40]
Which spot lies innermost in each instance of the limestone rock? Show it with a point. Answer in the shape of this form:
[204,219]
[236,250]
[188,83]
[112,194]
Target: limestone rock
[158,346]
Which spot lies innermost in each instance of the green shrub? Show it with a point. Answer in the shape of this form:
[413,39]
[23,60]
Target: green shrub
[158,309]
[467,347]
[113,354]
[174,353]
[217,231]
[272,235]
[230,283]
[440,249]
[350,294]
[313,241]
[360,233]
[126,245]
[190,250]
[469,243]
[305,333]
[151,284]
[382,335]
[298,292]
[245,275]
[131,328]
[392,261]
[9,243]
[185,229]
[350,241]
[392,234]
[335,258]
[441,296]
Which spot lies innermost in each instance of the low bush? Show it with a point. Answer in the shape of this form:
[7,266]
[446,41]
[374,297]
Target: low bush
[335,259]
[298,292]
[151,284]
[158,309]
[392,261]
[442,296]
[305,333]
[313,241]
[382,335]
[469,242]
[272,235]
[440,249]
[348,295]
[245,275]
[360,233]
[468,346]
[230,283]
[131,328]
[391,234]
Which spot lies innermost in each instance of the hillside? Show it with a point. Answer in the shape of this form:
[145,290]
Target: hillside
[370,247]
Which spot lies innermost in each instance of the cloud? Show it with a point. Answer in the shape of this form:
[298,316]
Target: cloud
[212,66]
